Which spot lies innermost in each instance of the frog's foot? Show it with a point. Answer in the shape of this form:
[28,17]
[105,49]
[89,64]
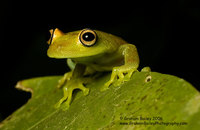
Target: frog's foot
[146,69]
[68,90]
[63,80]
[119,75]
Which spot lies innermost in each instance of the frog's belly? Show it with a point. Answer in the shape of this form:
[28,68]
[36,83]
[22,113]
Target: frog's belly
[103,62]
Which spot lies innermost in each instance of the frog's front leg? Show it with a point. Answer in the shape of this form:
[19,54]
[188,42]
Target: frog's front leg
[68,90]
[76,82]
[124,72]
[65,78]
[67,75]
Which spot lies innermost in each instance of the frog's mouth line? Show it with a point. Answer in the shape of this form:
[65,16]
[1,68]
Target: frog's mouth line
[62,54]
[78,57]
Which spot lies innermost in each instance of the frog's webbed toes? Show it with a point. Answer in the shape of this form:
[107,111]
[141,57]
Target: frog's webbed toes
[118,76]
[68,90]
[129,74]
[66,98]
[83,88]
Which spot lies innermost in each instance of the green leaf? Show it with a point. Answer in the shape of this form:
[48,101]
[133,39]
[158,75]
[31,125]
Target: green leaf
[150,101]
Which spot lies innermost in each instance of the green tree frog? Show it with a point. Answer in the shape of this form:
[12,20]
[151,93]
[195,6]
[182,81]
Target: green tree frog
[88,51]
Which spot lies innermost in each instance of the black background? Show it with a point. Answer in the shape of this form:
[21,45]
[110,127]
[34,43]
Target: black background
[167,39]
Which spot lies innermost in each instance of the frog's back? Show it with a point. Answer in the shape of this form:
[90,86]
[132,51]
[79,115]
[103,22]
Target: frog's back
[109,39]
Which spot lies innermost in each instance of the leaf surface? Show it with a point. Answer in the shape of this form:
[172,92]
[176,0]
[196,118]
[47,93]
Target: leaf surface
[151,101]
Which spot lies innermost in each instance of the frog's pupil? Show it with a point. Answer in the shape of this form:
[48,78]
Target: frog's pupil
[88,36]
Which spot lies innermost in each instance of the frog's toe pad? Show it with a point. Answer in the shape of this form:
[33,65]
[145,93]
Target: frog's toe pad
[86,91]
[146,69]
[65,106]
[57,105]
[104,88]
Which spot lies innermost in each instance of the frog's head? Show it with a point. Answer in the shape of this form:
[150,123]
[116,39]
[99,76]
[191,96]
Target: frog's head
[80,43]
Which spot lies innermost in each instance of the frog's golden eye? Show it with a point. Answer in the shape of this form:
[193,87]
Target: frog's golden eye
[88,37]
